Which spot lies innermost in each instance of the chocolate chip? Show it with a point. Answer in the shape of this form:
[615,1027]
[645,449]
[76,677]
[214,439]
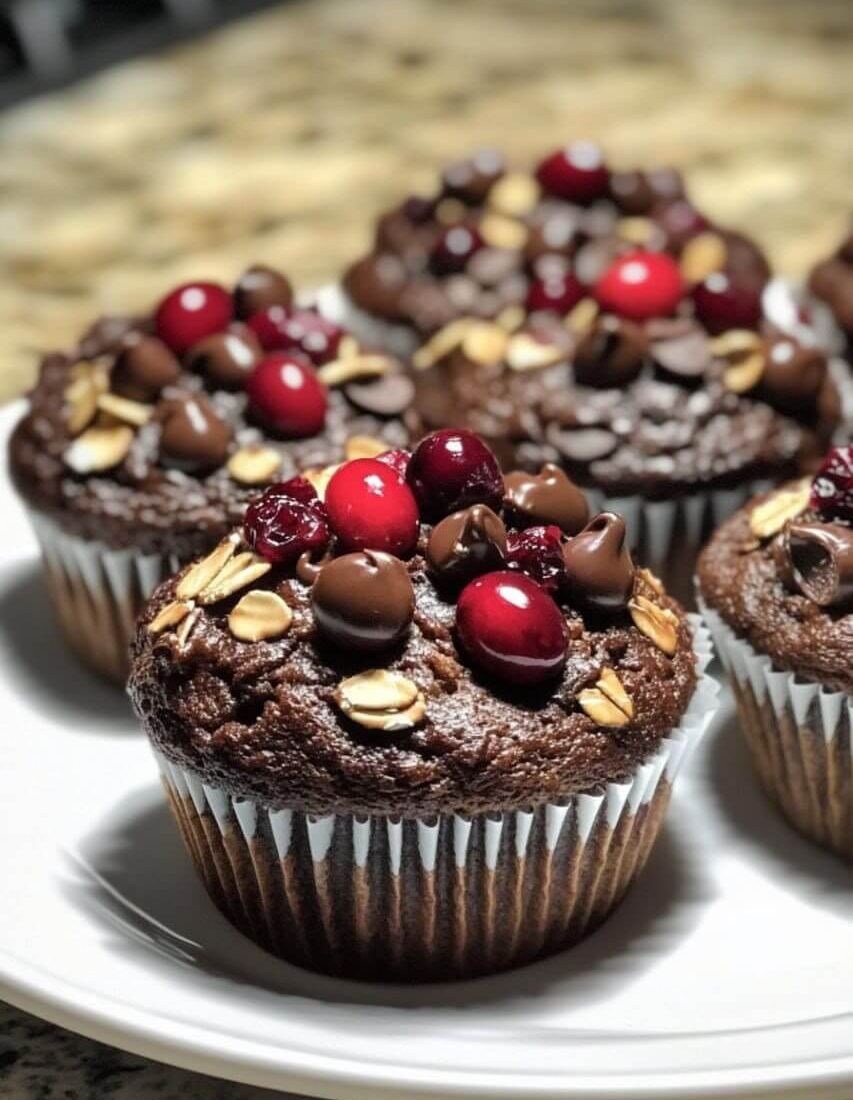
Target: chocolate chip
[746,264]
[821,561]
[632,192]
[545,498]
[599,567]
[107,335]
[226,358]
[584,444]
[144,367]
[471,179]
[465,544]
[793,373]
[679,347]
[193,436]
[375,283]
[386,395]
[610,354]
[261,287]
[363,601]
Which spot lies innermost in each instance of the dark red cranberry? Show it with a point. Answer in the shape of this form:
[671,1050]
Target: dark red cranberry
[538,552]
[576,172]
[452,469]
[454,248]
[372,508]
[832,488]
[287,520]
[721,304]
[511,627]
[303,330]
[558,292]
[192,311]
[397,459]
[641,285]
[680,220]
[286,394]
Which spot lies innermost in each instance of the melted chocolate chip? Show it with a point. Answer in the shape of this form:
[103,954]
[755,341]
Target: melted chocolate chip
[143,368]
[599,567]
[226,357]
[260,287]
[821,561]
[793,373]
[679,347]
[545,498]
[610,354]
[363,601]
[193,436]
[388,395]
[466,544]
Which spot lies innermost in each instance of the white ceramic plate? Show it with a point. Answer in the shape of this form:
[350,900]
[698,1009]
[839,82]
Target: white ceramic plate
[728,971]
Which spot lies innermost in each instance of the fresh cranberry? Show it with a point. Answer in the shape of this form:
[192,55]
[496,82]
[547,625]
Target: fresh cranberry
[454,248]
[452,469]
[558,292]
[372,508]
[680,220]
[576,172]
[512,628]
[192,311]
[285,393]
[538,552]
[285,521]
[721,304]
[282,329]
[832,488]
[397,459]
[641,285]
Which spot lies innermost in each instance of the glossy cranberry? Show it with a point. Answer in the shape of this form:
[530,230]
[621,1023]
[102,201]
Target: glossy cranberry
[538,552]
[558,292]
[454,248]
[285,521]
[680,220]
[372,508]
[397,459]
[832,488]
[285,393]
[452,469]
[303,330]
[721,304]
[576,172]
[511,627]
[192,311]
[641,285]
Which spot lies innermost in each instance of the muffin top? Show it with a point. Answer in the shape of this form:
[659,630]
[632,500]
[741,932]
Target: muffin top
[492,241]
[154,431]
[780,572]
[416,633]
[832,281]
[655,406]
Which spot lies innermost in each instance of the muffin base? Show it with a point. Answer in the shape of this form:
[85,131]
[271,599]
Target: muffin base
[434,898]
[799,738]
[97,593]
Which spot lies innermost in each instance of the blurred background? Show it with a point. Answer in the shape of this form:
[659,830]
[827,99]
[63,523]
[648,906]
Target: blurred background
[218,132]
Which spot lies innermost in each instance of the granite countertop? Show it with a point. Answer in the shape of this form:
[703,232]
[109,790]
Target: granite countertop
[277,138]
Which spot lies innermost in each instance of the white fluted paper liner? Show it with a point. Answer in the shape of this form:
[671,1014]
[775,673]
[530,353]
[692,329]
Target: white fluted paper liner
[799,736]
[97,592]
[433,897]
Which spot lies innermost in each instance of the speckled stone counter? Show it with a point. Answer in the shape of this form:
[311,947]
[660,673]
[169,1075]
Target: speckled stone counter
[278,138]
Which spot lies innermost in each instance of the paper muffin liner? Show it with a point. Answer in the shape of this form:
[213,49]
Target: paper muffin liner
[436,897]
[799,737]
[97,592]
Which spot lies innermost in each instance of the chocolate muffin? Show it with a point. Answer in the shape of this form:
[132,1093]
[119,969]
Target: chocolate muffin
[832,282]
[493,241]
[425,727]
[142,445]
[661,421]
[776,587]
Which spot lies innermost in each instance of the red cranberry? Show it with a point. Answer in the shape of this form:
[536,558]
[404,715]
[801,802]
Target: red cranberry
[558,292]
[192,311]
[281,329]
[512,628]
[454,248]
[452,469]
[721,304]
[285,521]
[576,173]
[680,220]
[538,552]
[397,459]
[832,488]
[641,285]
[285,393]
[372,508]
